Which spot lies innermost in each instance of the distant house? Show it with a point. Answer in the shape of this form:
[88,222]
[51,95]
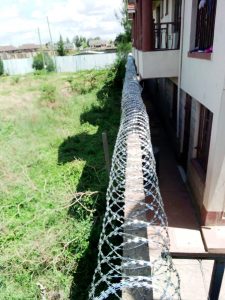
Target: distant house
[97,43]
[28,50]
[69,46]
[8,52]
[23,51]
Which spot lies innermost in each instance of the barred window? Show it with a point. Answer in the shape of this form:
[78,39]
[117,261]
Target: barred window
[205,24]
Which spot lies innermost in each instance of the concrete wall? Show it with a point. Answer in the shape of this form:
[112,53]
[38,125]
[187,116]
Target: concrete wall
[195,180]
[158,64]
[200,78]
[18,66]
[204,81]
[84,62]
[64,63]
[214,199]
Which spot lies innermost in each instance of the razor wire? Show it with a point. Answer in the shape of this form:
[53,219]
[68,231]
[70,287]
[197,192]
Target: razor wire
[133,258]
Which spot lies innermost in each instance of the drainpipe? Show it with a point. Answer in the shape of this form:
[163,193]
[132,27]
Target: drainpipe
[180,67]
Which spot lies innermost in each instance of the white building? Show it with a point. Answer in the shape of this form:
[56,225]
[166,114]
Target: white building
[179,49]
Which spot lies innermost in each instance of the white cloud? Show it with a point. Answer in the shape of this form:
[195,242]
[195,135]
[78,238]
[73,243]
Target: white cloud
[8,13]
[20,20]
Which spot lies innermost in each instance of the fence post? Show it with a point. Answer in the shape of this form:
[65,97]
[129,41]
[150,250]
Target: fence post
[106,151]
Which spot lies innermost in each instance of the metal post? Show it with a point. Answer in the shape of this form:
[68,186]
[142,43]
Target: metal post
[106,151]
[53,50]
[216,279]
[42,54]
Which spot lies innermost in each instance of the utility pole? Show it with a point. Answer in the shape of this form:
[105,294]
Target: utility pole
[53,50]
[42,53]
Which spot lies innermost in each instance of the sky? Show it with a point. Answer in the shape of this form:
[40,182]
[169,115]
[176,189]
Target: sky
[20,20]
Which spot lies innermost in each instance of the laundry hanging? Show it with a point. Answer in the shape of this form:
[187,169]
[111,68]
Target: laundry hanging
[202,4]
[209,3]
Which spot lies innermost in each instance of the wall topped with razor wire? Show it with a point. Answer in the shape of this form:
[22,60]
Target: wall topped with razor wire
[134,260]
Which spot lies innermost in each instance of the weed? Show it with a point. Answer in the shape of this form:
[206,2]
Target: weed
[48,93]
[1,67]
[90,82]
[15,79]
[40,72]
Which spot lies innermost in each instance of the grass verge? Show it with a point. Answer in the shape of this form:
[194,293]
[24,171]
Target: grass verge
[53,180]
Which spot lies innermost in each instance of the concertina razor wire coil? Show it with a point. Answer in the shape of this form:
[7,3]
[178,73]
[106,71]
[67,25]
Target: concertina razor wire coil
[133,258]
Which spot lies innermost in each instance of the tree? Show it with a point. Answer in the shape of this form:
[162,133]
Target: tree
[123,40]
[1,67]
[61,51]
[80,41]
[43,61]
[125,22]
[120,39]
[77,41]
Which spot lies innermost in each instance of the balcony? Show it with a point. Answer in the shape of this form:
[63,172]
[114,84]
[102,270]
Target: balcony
[167,36]
[163,60]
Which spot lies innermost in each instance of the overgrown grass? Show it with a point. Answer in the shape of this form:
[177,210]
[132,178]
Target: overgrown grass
[53,180]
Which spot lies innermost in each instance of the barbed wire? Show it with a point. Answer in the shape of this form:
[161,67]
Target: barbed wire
[134,257]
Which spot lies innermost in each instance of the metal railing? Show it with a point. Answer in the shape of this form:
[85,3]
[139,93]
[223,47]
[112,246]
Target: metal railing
[167,36]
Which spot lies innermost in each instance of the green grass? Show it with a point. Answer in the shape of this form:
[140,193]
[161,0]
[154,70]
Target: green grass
[53,180]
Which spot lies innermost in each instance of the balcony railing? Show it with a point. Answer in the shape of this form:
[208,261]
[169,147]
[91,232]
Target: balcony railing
[167,36]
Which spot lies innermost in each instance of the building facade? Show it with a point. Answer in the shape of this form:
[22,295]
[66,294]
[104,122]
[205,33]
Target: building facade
[23,51]
[179,49]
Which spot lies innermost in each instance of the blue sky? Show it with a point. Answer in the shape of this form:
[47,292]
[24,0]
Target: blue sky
[19,19]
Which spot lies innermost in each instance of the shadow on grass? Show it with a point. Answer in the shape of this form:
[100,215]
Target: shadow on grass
[94,176]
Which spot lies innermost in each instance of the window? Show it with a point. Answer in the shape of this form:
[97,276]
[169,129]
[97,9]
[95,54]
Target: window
[206,13]
[204,136]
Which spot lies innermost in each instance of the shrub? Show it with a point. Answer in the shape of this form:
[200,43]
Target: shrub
[88,85]
[15,79]
[43,61]
[48,93]
[40,72]
[1,67]
[50,66]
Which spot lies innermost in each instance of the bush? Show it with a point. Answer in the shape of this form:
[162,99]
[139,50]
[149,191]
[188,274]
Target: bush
[38,63]
[40,73]
[15,79]
[48,93]
[87,86]
[1,67]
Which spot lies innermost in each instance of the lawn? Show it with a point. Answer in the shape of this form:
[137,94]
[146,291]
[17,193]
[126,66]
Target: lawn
[53,180]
